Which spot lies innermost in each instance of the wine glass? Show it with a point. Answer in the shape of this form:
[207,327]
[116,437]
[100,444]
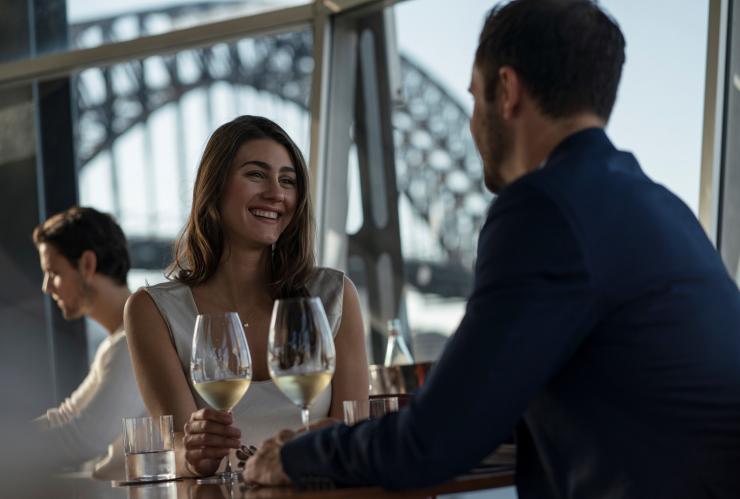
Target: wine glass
[220,365]
[300,350]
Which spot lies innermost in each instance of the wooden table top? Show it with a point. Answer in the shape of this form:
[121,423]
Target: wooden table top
[462,484]
[84,487]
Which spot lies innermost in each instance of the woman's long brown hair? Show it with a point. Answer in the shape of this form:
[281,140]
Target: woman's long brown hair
[200,247]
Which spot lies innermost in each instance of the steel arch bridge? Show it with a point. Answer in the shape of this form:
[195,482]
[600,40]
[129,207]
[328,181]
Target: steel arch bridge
[438,169]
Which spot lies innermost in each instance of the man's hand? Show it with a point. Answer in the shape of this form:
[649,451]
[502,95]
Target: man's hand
[264,467]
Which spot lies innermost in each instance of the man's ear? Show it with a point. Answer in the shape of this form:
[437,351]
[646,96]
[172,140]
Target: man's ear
[510,91]
[87,264]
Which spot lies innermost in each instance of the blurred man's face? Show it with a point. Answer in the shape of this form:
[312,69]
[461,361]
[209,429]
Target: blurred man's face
[63,282]
[490,133]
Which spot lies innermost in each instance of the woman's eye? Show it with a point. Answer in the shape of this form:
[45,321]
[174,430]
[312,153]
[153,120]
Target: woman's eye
[288,180]
[255,174]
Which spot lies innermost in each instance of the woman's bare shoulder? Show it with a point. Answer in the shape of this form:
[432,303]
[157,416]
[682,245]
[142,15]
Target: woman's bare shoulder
[141,309]
[139,301]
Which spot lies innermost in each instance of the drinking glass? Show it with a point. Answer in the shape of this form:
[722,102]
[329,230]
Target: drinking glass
[220,365]
[359,410]
[148,443]
[300,351]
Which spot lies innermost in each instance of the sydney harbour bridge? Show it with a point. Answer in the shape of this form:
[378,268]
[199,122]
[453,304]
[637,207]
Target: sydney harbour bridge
[438,170]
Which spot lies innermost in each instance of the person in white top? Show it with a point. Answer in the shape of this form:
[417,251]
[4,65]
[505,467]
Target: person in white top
[248,241]
[85,262]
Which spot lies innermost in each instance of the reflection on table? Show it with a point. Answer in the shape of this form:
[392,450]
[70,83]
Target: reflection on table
[83,487]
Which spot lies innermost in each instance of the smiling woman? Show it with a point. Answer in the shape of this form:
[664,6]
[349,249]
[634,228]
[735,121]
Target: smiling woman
[249,155]
[248,241]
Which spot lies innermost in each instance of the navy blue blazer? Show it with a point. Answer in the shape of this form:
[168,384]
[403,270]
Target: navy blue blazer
[603,320]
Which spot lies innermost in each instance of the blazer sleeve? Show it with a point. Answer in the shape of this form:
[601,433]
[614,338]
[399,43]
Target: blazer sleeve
[531,307]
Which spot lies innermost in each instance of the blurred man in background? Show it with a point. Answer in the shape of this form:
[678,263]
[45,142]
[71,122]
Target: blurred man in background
[85,261]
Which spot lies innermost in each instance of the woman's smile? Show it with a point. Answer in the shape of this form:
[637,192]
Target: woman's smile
[265,215]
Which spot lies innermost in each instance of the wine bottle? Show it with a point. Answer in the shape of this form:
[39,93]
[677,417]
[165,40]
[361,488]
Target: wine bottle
[396,351]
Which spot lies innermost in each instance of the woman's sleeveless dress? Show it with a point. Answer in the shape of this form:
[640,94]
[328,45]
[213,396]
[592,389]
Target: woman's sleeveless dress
[264,410]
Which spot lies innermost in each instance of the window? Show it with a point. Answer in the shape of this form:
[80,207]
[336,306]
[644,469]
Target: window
[658,113]
[442,199]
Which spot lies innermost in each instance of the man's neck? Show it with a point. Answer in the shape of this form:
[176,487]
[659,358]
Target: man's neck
[108,301]
[538,137]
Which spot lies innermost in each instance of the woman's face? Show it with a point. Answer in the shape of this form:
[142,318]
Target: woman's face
[260,195]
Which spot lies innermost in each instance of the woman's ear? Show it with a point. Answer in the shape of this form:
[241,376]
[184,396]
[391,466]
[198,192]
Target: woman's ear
[87,264]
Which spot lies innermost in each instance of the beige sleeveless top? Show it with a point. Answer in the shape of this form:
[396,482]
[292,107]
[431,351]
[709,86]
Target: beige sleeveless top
[264,410]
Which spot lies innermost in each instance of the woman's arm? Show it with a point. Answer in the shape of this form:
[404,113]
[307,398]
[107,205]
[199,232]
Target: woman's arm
[165,390]
[156,365]
[350,380]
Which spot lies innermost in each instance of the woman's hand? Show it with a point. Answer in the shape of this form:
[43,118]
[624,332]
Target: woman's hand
[209,435]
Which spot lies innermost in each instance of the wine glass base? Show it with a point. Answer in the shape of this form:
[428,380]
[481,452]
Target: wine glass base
[223,477]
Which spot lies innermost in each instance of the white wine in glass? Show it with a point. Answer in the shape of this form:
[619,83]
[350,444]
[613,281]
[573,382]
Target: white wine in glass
[300,351]
[223,394]
[220,364]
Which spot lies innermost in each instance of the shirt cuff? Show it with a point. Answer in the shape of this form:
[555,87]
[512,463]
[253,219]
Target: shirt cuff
[41,423]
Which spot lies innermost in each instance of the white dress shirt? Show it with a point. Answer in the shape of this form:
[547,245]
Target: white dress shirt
[89,420]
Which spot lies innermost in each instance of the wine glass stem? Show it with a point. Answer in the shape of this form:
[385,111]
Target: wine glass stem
[227,470]
[304,417]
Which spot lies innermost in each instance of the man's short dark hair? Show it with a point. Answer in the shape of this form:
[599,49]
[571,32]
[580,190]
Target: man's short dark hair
[78,229]
[568,53]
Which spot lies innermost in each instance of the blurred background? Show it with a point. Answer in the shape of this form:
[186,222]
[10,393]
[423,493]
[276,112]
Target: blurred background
[400,197]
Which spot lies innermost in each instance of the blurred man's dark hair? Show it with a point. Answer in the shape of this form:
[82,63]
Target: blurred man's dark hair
[78,229]
[568,53]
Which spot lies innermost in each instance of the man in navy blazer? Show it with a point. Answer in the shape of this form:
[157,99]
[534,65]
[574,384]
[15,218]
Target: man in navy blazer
[603,325]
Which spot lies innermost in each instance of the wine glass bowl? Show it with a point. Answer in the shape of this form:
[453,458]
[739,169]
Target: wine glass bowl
[220,364]
[300,351]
